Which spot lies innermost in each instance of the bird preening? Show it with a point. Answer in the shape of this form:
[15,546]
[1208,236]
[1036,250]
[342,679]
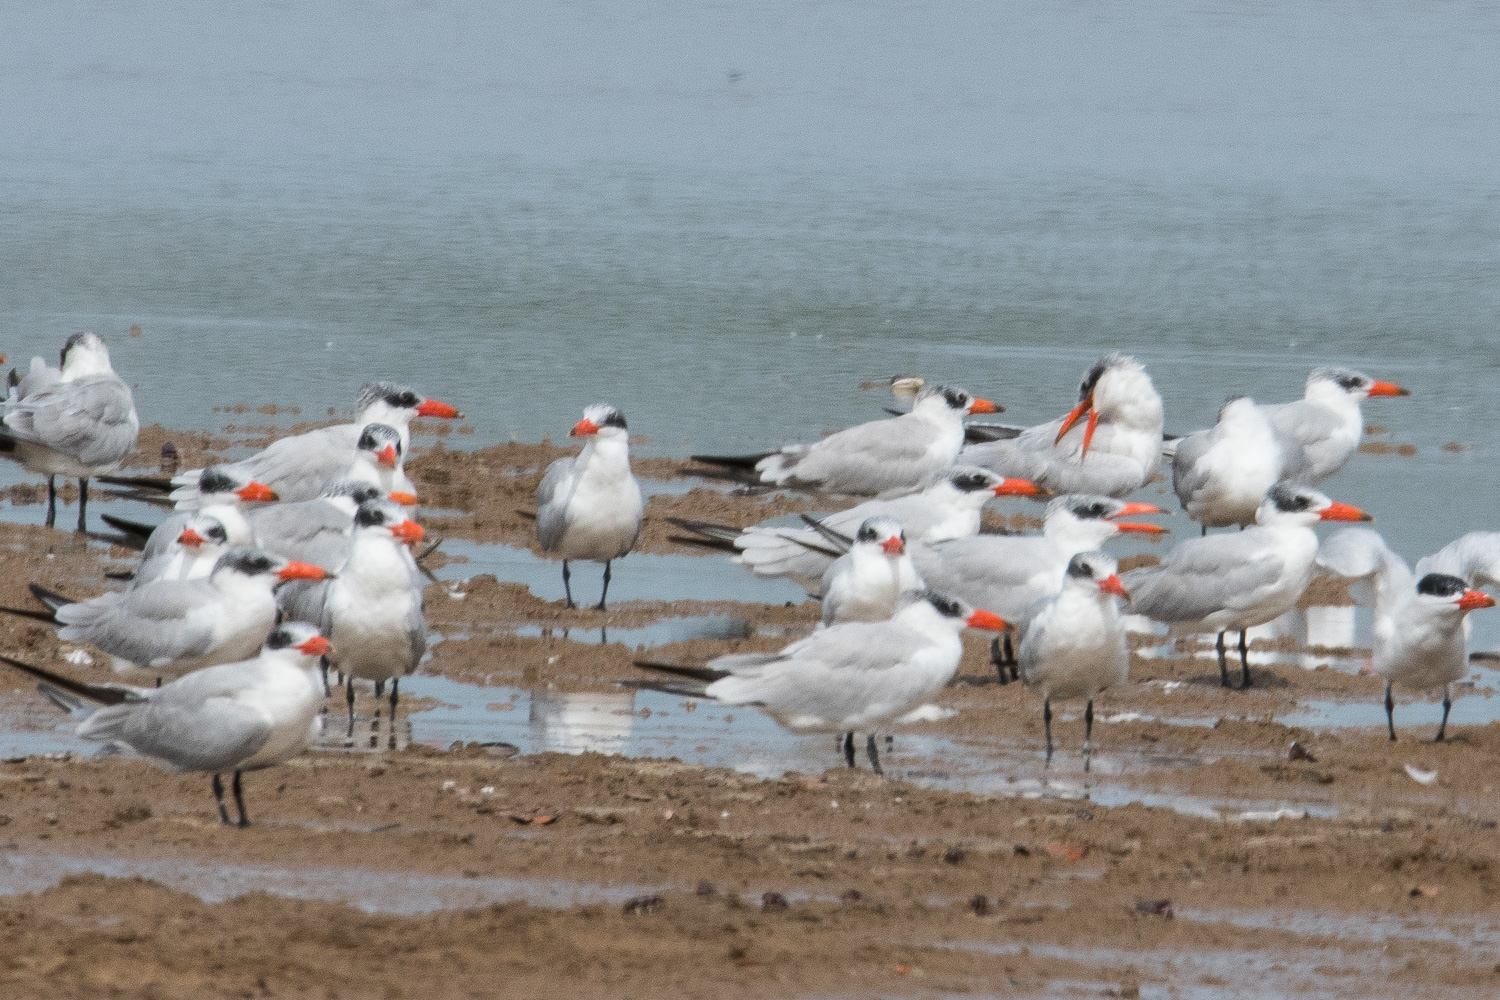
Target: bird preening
[278,568]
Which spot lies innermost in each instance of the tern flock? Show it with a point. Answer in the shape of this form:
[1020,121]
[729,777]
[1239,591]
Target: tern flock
[274,569]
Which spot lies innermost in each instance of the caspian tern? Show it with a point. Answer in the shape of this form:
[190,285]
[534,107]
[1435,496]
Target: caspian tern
[300,467]
[865,583]
[854,677]
[1221,475]
[234,717]
[190,554]
[1421,624]
[881,458]
[1074,646]
[1320,431]
[77,420]
[948,507]
[174,626]
[1243,579]
[590,507]
[379,460]
[1015,573]
[1109,444]
[372,608]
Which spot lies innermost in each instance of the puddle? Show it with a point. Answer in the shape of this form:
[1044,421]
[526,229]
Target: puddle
[1374,928]
[637,577]
[658,633]
[399,893]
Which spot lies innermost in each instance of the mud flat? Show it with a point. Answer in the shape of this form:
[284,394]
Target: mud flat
[530,827]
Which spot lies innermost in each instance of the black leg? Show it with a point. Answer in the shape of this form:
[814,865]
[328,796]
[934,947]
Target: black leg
[1088,734]
[83,504]
[349,697]
[873,754]
[605,592]
[1223,667]
[1390,712]
[567,584]
[219,798]
[239,801]
[1010,656]
[379,688]
[1204,532]
[998,659]
[1447,707]
[849,749]
[1244,661]
[394,682]
[323,663]
[1047,722]
[51,501]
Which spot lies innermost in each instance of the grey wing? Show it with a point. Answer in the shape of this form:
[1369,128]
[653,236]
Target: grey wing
[1301,425]
[305,601]
[312,531]
[1187,478]
[153,625]
[215,734]
[1203,575]
[416,630]
[165,536]
[552,497]
[882,450]
[91,419]
[1002,574]
[298,468]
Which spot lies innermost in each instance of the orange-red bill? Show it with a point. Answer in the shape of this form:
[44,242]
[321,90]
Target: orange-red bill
[387,456]
[1112,585]
[408,531]
[1135,508]
[316,646]
[1083,407]
[1474,599]
[404,499]
[987,620]
[190,538]
[303,571]
[893,546]
[1141,527]
[432,408]
[1018,488]
[583,428]
[977,405]
[1388,389]
[1343,512]
[1088,434]
[254,492]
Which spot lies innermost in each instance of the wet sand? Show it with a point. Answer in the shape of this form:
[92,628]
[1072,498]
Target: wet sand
[1198,857]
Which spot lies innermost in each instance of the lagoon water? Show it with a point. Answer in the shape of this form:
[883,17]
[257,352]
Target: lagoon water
[724,217]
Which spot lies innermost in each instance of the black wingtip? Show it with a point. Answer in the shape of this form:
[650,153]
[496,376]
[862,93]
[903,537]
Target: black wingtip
[126,526]
[49,599]
[93,692]
[161,484]
[706,675]
[732,461]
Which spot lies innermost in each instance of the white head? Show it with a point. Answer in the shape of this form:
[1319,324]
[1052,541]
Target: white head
[1116,390]
[1333,383]
[931,607]
[386,519]
[298,640]
[1289,503]
[394,404]
[882,535]
[1080,518]
[84,354]
[975,486]
[941,400]
[1449,596]
[260,565]
[1097,573]
[205,535]
[224,484]
[601,422]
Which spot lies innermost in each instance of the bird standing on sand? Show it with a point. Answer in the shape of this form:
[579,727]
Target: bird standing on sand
[883,458]
[235,717]
[589,506]
[1242,579]
[1074,645]
[76,420]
